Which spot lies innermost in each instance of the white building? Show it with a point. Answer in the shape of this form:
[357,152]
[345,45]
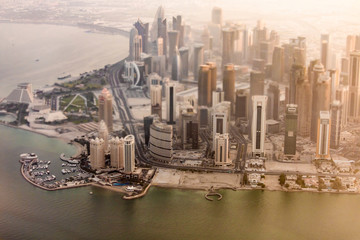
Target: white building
[222,149]
[129,154]
[161,141]
[258,127]
[170,95]
[217,97]
[323,136]
[117,152]
[219,124]
[97,153]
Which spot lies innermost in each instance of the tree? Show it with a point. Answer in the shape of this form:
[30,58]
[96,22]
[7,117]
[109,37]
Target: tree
[321,184]
[282,179]
[337,185]
[245,179]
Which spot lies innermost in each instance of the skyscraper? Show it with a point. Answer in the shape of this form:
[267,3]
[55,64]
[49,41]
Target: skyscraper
[106,108]
[323,136]
[129,154]
[273,105]
[156,100]
[241,107]
[97,154]
[304,103]
[277,70]
[321,101]
[133,34]
[173,37]
[325,49]
[216,16]
[198,59]
[204,86]
[117,152]
[228,49]
[161,141]
[143,30]
[148,120]
[258,129]
[229,84]
[176,66]
[291,119]
[297,74]
[170,95]
[354,87]
[217,97]
[222,149]
[178,26]
[342,95]
[219,124]
[213,73]
[104,134]
[184,63]
[336,117]
[137,47]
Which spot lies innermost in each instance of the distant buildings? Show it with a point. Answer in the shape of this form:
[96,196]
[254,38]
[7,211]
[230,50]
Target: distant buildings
[106,108]
[336,117]
[229,84]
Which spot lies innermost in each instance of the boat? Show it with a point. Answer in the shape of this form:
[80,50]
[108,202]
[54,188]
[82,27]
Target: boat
[69,160]
[28,157]
[91,193]
[63,171]
[62,77]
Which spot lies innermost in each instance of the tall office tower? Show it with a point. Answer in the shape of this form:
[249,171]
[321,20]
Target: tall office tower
[219,123]
[129,154]
[154,32]
[147,64]
[320,102]
[350,44]
[258,129]
[228,38]
[304,103]
[344,74]
[148,120]
[97,154]
[133,34]
[170,95]
[117,152]
[291,119]
[189,128]
[229,84]
[143,31]
[198,59]
[222,149]
[260,34]
[104,134]
[277,70]
[217,97]
[354,87]
[213,74]
[162,32]
[106,108]
[297,74]
[184,57]
[333,74]
[176,66]
[137,47]
[205,38]
[224,107]
[266,51]
[257,83]
[273,105]
[323,136]
[203,114]
[310,70]
[246,43]
[173,37]
[299,56]
[204,86]
[316,72]
[156,100]
[357,43]
[325,49]
[160,46]
[161,141]
[216,16]
[336,116]
[241,105]
[178,26]
[342,95]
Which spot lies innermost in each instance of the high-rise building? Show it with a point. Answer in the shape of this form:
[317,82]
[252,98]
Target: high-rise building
[257,86]
[117,152]
[291,119]
[222,149]
[217,97]
[241,106]
[219,123]
[304,103]
[198,59]
[320,102]
[156,100]
[162,33]
[103,133]
[203,114]
[178,26]
[143,31]
[173,37]
[228,49]
[336,117]
[204,86]
[184,57]
[106,108]
[229,84]
[133,34]
[350,44]
[342,95]
[297,74]
[258,128]
[176,66]
[97,153]
[129,154]
[189,127]
[170,95]
[137,47]
[148,120]
[213,74]
[277,70]
[273,105]
[354,87]
[161,141]
[325,49]
[216,16]
[323,136]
